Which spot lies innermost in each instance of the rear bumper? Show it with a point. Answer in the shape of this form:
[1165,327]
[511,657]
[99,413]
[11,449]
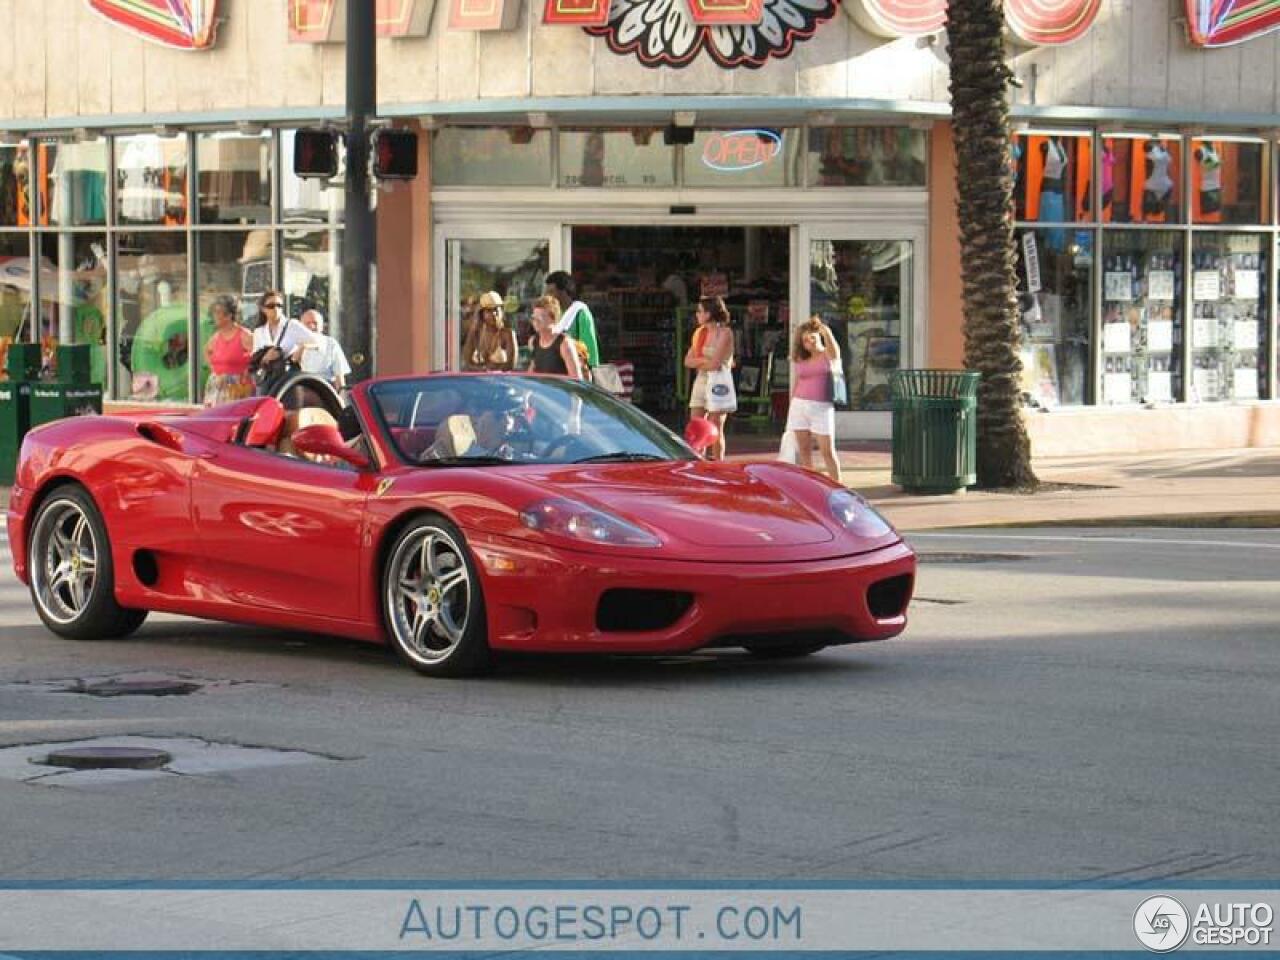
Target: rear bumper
[547,600]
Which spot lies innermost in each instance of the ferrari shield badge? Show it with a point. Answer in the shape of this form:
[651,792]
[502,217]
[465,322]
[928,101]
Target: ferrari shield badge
[384,485]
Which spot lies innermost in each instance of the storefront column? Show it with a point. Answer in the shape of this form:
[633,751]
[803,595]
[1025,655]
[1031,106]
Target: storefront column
[404,271]
[944,338]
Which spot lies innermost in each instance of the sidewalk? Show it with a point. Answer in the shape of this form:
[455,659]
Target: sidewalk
[1180,488]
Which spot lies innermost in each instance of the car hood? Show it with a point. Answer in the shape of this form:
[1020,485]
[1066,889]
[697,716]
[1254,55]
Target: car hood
[756,512]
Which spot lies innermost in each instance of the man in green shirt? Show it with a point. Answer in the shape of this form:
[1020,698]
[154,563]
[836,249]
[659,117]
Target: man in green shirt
[575,317]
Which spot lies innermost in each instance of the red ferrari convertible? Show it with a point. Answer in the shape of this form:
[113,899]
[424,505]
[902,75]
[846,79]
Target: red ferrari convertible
[453,514]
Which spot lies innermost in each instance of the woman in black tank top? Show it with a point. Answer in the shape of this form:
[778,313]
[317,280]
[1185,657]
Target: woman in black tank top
[552,352]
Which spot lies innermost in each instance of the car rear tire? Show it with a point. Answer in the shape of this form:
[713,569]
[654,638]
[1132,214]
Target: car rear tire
[72,575]
[786,651]
[432,601]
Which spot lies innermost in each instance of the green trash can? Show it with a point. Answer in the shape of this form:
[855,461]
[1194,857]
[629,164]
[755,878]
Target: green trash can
[935,430]
[54,399]
[15,419]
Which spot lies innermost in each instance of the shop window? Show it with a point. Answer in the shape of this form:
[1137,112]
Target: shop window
[1055,273]
[151,180]
[72,183]
[1227,185]
[234,178]
[308,199]
[491,157]
[616,158]
[15,181]
[1141,180]
[1229,328]
[749,157]
[866,157]
[1142,290]
[15,289]
[73,297]
[152,317]
[1054,177]
[312,275]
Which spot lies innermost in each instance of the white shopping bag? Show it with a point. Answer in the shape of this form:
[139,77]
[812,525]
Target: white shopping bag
[787,451]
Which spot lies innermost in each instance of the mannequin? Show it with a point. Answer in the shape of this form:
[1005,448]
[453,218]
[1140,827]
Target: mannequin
[1053,207]
[1157,191]
[1210,168]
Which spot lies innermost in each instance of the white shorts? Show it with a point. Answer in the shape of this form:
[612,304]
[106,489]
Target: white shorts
[812,415]
[698,392]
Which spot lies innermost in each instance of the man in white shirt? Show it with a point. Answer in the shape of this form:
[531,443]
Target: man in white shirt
[325,356]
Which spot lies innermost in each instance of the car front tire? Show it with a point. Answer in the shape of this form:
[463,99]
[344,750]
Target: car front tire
[432,601]
[72,575]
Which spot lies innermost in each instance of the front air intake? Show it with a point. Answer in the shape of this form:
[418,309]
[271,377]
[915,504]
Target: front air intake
[887,599]
[634,611]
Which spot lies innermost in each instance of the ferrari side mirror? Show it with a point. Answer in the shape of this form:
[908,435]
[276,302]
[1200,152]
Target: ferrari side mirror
[324,440]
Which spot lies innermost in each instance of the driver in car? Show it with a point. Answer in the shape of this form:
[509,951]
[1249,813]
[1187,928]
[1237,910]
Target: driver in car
[488,431]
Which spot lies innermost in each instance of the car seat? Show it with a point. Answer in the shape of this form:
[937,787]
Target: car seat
[266,424]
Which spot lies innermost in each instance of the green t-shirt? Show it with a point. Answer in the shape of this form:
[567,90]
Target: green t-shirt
[582,326]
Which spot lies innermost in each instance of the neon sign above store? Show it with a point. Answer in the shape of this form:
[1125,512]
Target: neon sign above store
[738,150]
[184,24]
[1220,23]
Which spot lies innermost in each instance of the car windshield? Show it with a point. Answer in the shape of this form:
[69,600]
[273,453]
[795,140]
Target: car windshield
[470,420]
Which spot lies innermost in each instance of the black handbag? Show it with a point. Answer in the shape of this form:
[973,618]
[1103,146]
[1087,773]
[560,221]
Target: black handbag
[268,375]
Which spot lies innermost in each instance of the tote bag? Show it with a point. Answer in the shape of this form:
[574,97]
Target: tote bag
[839,388]
[721,397]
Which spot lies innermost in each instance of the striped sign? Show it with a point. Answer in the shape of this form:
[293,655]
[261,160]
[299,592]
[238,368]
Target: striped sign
[182,24]
[1220,23]
[576,13]
[1050,22]
[322,21]
[1038,22]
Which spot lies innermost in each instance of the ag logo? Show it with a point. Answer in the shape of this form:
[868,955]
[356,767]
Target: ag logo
[1161,924]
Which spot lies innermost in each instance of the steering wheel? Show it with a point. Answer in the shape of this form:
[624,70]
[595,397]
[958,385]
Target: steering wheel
[566,448]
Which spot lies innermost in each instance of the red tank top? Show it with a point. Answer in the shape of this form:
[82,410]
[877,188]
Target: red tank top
[228,355]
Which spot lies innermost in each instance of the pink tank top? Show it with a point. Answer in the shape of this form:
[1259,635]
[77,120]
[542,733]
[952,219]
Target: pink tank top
[228,355]
[813,379]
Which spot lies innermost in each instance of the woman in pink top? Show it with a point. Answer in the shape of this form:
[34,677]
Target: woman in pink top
[813,412]
[227,354]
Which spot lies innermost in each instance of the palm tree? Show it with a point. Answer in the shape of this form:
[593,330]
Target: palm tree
[980,118]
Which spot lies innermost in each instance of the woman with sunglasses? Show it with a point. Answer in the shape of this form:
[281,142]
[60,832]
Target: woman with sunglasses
[278,335]
[491,344]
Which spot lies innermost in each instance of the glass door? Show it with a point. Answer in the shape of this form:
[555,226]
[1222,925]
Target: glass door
[475,262]
[868,289]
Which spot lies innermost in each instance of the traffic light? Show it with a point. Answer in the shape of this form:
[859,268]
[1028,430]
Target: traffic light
[315,153]
[395,154]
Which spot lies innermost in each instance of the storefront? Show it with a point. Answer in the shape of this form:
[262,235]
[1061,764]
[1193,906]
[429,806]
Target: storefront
[780,221]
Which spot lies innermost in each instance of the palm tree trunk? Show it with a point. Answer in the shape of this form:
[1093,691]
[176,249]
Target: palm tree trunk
[984,174]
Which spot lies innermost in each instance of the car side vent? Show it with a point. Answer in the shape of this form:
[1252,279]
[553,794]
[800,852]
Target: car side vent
[887,599]
[625,610]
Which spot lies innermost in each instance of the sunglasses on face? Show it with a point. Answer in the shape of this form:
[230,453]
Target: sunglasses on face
[274,305]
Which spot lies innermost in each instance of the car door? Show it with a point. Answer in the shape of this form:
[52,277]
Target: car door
[280,532]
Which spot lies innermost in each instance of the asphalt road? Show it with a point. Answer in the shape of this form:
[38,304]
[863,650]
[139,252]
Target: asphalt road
[1066,705]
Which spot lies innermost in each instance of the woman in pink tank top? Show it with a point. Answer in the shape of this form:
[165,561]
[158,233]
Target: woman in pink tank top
[227,354]
[812,414]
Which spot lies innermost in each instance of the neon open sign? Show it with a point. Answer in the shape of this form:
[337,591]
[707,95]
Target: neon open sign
[738,150]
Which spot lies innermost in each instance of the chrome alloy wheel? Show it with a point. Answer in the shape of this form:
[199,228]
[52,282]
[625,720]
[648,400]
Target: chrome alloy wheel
[428,594]
[65,561]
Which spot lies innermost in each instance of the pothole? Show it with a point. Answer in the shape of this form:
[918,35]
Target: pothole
[130,759]
[945,557]
[136,684]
